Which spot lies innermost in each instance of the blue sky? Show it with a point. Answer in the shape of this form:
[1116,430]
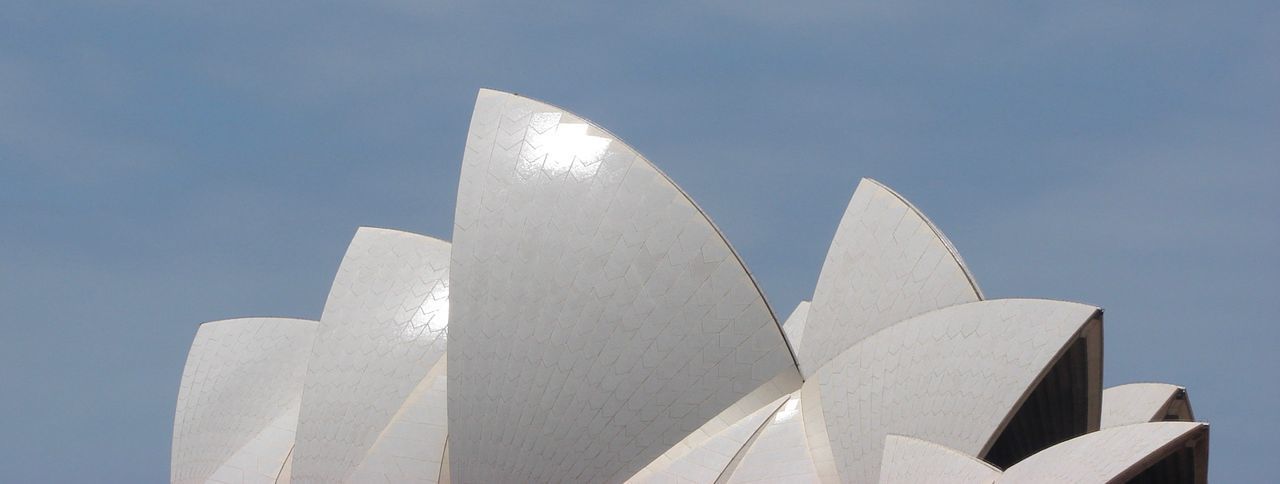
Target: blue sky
[167,163]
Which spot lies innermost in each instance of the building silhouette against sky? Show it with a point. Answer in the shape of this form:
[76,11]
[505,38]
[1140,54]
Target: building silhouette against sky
[589,323]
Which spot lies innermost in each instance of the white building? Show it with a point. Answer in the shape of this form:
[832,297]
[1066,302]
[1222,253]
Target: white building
[590,324]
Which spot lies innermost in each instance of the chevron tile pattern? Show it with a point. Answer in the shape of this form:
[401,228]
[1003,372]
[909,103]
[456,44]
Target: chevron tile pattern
[598,315]
[382,331]
[242,378]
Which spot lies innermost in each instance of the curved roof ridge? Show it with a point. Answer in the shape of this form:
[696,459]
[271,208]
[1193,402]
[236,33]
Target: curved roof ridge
[946,242]
[944,448]
[1141,402]
[1147,383]
[246,319]
[399,231]
[386,319]
[1109,455]
[945,308]
[886,262]
[238,376]
[1188,423]
[714,228]
[912,459]
[886,383]
[653,287]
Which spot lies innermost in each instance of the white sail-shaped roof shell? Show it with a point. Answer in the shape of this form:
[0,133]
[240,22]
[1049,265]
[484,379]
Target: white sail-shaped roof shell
[1144,402]
[238,400]
[1113,455]
[910,461]
[382,330]
[886,263]
[604,331]
[954,376]
[599,316]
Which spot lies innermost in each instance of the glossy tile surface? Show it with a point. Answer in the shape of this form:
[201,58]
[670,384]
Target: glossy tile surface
[911,461]
[598,316]
[238,398]
[950,376]
[382,330]
[886,263]
[1108,455]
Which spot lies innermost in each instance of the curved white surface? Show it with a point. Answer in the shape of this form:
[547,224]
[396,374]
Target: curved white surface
[910,461]
[1137,403]
[599,317]
[383,328]
[706,461]
[952,376]
[886,263]
[411,447]
[1109,455]
[794,327]
[779,453]
[237,402]
[261,459]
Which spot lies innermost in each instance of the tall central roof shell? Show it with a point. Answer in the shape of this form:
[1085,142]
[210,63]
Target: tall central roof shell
[598,317]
